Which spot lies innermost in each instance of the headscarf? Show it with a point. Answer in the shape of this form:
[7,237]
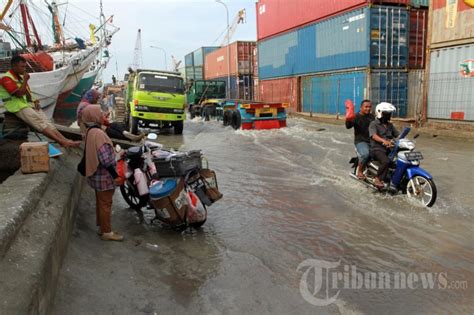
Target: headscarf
[96,137]
[90,95]
[86,100]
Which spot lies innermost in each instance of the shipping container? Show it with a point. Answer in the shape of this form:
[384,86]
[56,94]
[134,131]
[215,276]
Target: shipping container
[278,16]
[374,37]
[200,54]
[327,93]
[415,93]
[285,90]
[418,38]
[450,93]
[189,60]
[419,3]
[194,73]
[241,60]
[452,23]
[241,87]
[255,62]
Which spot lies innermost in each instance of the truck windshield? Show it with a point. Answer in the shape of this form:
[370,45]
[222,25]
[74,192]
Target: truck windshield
[160,83]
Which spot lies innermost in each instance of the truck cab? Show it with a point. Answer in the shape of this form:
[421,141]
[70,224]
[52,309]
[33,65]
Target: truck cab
[155,99]
[198,94]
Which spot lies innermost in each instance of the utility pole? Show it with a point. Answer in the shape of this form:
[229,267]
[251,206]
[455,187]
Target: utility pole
[228,49]
[164,52]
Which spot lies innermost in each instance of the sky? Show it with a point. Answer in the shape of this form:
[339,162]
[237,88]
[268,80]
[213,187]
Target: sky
[178,26]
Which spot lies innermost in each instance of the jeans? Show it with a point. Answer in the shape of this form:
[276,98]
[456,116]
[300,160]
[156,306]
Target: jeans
[363,152]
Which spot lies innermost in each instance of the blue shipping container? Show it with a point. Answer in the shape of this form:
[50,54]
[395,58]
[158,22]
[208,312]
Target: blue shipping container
[189,60]
[240,87]
[374,37]
[200,54]
[327,93]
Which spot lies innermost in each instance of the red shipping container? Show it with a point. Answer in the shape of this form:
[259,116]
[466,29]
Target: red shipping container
[241,60]
[451,24]
[286,90]
[277,16]
[418,38]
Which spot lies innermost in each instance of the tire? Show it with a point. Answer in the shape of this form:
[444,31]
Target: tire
[197,225]
[227,117]
[131,197]
[236,120]
[133,124]
[207,113]
[416,189]
[178,127]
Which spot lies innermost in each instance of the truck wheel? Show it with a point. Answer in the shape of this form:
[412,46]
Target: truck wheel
[207,113]
[133,125]
[236,120]
[178,127]
[227,117]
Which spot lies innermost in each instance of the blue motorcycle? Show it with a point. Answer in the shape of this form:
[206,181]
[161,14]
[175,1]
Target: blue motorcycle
[405,175]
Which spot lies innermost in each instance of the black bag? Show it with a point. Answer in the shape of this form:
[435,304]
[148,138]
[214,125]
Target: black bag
[81,167]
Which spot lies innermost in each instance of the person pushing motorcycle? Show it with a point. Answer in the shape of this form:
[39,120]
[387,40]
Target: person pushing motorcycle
[382,132]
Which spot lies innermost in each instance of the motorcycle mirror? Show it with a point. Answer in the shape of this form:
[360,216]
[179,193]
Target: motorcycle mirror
[416,136]
[152,136]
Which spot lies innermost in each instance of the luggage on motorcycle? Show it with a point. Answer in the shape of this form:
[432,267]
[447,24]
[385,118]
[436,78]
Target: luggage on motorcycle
[170,200]
[204,183]
[178,163]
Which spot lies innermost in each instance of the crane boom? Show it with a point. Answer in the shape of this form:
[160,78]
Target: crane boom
[137,52]
[238,19]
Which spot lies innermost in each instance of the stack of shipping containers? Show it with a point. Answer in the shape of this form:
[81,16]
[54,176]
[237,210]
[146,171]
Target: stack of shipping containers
[241,68]
[194,63]
[450,85]
[318,54]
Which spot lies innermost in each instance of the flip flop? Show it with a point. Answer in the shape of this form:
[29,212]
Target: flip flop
[361,177]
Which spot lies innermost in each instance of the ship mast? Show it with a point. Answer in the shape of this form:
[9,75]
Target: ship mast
[57,30]
[26,17]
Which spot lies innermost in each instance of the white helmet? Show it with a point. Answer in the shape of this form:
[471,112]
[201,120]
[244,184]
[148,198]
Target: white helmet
[384,108]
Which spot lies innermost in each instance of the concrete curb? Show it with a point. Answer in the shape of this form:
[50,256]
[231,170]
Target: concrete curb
[30,267]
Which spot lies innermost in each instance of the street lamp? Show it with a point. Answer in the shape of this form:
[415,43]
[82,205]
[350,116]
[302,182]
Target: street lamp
[228,49]
[164,52]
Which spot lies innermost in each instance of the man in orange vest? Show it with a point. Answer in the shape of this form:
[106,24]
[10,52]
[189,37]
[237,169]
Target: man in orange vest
[16,97]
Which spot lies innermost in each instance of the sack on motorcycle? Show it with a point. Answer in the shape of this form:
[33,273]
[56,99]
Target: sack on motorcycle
[172,209]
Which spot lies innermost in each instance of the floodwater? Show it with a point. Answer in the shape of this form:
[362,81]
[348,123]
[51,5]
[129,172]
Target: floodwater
[288,200]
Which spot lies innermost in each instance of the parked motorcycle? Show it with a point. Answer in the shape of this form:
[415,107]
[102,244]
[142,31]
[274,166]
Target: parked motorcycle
[405,175]
[174,184]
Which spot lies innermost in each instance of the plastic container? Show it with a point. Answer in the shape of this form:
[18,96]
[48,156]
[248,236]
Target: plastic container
[178,164]
[141,182]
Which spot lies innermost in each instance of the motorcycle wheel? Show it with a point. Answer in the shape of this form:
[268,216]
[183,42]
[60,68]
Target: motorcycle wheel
[131,197]
[423,189]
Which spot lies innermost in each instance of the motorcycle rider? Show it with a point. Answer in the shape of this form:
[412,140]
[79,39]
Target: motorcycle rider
[381,132]
[360,122]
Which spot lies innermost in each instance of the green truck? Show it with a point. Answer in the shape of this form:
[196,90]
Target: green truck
[200,91]
[155,98]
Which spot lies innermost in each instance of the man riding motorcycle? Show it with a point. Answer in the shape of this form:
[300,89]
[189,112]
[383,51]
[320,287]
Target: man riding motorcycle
[360,122]
[382,132]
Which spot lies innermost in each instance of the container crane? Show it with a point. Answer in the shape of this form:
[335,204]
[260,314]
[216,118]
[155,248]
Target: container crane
[176,63]
[238,19]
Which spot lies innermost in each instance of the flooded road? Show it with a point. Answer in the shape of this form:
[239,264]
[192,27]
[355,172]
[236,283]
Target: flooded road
[288,200]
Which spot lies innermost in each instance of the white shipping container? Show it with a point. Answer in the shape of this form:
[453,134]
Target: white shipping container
[451,91]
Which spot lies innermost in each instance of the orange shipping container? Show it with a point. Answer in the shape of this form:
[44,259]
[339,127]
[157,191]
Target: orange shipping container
[452,23]
[241,60]
[285,90]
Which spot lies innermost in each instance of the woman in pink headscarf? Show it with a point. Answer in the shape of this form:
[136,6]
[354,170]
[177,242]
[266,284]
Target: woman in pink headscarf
[100,169]
[90,97]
